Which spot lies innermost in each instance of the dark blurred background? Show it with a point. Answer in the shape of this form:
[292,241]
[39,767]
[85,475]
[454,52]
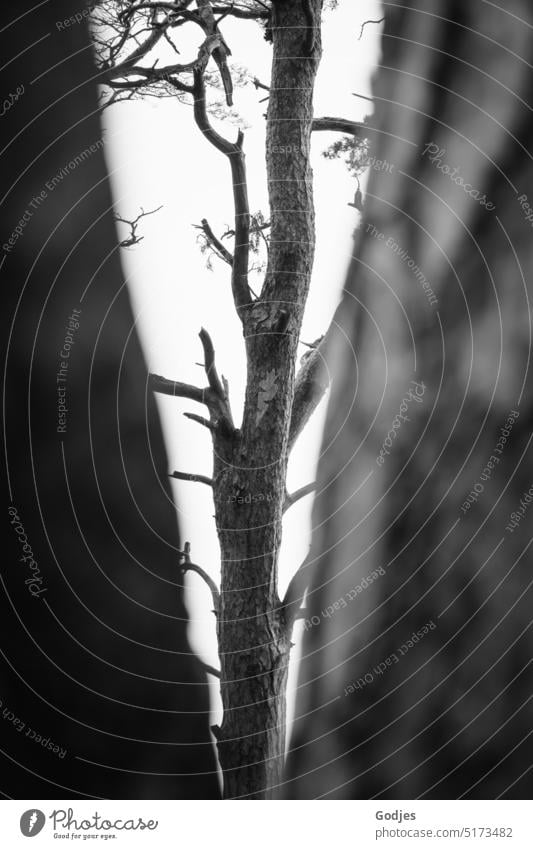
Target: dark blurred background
[439,293]
[101,695]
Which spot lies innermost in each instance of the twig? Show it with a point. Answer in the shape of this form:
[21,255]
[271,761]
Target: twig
[363,25]
[210,367]
[187,566]
[215,243]
[210,669]
[292,602]
[134,239]
[298,494]
[175,388]
[234,152]
[200,420]
[312,381]
[184,476]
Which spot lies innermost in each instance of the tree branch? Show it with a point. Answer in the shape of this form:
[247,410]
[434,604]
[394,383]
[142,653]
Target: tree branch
[200,420]
[311,383]
[186,566]
[214,242]
[175,388]
[210,669]
[339,125]
[294,595]
[184,476]
[133,238]
[210,367]
[298,494]
[365,23]
[239,277]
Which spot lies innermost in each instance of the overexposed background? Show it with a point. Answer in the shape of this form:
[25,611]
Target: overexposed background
[157,156]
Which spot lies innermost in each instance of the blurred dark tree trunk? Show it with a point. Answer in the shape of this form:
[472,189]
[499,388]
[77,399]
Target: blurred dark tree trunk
[98,661]
[451,716]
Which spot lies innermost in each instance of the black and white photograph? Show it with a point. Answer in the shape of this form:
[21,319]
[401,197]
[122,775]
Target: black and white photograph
[267,422]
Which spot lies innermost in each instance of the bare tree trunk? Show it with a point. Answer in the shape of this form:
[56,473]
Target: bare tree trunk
[250,466]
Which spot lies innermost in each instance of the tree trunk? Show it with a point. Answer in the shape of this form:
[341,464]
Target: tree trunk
[251,464]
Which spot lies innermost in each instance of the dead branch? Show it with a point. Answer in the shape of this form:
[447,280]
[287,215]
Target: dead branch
[298,494]
[338,125]
[239,277]
[133,238]
[177,389]
[312,381]
[186,565]
[365,23]
[200,420]
[184,476]
[294,595]
[210,669]
[209,365]
[214,242]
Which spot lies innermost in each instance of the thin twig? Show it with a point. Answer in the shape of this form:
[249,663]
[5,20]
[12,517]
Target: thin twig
[187,566]
[185,476]
[298,494]
[363,25]
[134,239]
[200,420]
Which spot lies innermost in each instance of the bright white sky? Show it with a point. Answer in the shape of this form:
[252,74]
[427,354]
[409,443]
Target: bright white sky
[157,156]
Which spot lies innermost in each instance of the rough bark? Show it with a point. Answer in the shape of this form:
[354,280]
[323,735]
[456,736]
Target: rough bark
[250,465]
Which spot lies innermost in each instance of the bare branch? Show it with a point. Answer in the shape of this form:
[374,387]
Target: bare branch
[365,23]
[339,125]
[200,420]
[221,51]
[310,386]
[177,389]
[239,277]
[210,367]
[133,238]
[298,494]
[210,669]
[294,595]
[363,97]
[186,566]
[184,476]
[214,242]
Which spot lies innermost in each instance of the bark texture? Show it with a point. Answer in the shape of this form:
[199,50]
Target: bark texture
[250,464]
